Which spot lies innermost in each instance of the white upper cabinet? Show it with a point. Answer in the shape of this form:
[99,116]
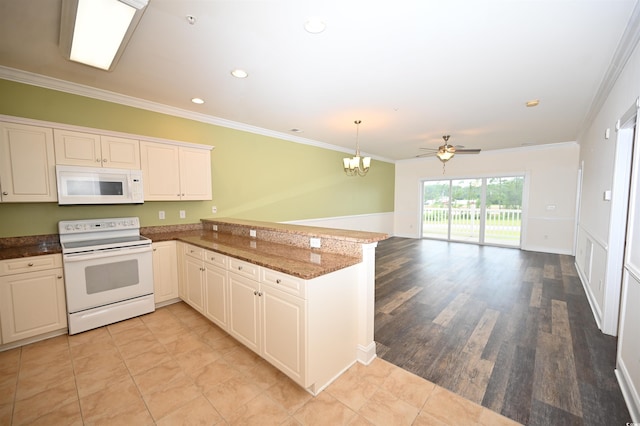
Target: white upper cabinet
[94,150]
[173,172]
[27,163]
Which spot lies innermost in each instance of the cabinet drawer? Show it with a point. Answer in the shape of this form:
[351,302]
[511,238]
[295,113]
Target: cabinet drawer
[283,282]
[193,251]
[245,269]
[215,259]
[29,264]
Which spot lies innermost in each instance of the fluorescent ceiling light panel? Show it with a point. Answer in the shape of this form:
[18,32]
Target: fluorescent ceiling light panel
[100,29]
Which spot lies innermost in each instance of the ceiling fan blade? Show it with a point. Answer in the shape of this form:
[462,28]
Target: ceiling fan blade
[468,151]
[428,154]
[429,149]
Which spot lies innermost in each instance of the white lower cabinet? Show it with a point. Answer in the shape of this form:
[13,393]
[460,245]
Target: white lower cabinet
[165,271]
[305,328]
[32,298]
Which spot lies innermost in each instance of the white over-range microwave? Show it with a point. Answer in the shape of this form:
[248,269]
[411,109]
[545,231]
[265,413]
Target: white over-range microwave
[89,185]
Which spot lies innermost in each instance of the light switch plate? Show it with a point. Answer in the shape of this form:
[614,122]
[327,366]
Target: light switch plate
[183,214]
[252,233]
[314,242]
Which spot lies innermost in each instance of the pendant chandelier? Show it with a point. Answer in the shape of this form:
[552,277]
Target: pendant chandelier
[356,166]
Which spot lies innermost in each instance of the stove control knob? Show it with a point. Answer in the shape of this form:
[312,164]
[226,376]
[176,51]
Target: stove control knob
[69,227]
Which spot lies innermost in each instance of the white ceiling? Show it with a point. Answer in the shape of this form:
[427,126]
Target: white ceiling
[411,70]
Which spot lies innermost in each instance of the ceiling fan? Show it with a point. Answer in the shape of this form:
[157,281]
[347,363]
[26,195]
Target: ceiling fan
[446,152]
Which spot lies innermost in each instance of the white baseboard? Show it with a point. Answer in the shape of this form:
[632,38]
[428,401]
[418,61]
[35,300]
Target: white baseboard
[366,354]
[630,397]
[591,298]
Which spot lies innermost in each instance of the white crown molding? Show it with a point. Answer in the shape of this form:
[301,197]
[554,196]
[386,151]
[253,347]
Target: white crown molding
[39,80]
[626,46]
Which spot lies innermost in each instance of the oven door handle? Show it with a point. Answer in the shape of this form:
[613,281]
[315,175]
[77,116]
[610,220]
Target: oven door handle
[122,251]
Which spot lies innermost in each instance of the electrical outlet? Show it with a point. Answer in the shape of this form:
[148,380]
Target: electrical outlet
[252,233]
[214,227]
[314,242]
[161,215]
[214,209]
[183,214]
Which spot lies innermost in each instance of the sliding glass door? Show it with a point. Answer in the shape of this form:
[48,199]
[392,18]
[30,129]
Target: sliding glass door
[481,211]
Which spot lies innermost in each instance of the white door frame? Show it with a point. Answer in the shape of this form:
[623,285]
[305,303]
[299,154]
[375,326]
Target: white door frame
[625,128]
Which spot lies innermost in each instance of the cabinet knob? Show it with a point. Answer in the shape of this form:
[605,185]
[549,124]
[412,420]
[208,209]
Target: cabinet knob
[278,281]
[5,193]
[59,277]
[155,249]
[239,268]
[255,292]
[30,264]
[259,293]
[97,160]
[104,160]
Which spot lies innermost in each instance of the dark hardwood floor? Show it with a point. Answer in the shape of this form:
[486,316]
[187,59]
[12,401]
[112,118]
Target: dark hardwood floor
[509,329]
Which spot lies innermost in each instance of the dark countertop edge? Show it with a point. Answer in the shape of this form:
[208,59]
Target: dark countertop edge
[362,237]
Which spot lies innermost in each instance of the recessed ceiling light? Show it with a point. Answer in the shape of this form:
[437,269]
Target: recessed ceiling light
[532,103]
[315,25]
[198,101]
[238,73]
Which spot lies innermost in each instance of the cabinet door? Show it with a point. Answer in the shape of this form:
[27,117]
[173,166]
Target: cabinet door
[215,305]
[165,271]
[194,283]
[182,281]
[160,170]
[284,332]
[195,174]
[77,148]
[120,153]
[32,303]
[27,163]
[243,311]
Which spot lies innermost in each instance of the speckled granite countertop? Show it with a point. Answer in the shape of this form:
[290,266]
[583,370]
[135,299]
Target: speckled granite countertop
[281,247]
[299,262]
[17,247]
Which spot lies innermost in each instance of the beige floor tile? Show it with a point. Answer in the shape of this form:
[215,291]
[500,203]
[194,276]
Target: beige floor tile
[184,343]
[196,412]
[96,335]
[9,363]
[229,396]
[155,378]
[384,409]
[224,345]
[169,332]
[407,386]
[426,419]
[8,389]
[242,357]
[449,407]
[138,346]
[352,389]
[288,394]
[6,411]
[29,409]
[212,334]
[93,348]
[263,374]
[196,359]
[171,396]
[121,326]
[119,401]
[142,362]
[376,372]
[260,411]
[45,348]
[96,374]
[131,334]
[68,414]
[358,420]
[43,365]
[50,376]
[324,409]
[213,374]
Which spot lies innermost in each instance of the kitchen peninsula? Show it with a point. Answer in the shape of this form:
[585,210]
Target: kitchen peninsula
[301,297]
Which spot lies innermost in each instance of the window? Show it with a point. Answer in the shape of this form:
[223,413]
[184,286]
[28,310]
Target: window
[478,210]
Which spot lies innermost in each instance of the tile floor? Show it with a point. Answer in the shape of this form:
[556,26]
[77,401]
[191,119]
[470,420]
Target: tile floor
[174,367]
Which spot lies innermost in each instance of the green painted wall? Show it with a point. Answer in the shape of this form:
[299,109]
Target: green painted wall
[253,176]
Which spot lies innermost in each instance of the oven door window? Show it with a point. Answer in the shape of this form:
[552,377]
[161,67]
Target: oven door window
[111,276]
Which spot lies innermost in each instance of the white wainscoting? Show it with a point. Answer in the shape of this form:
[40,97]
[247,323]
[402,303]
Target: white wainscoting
[374,222]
